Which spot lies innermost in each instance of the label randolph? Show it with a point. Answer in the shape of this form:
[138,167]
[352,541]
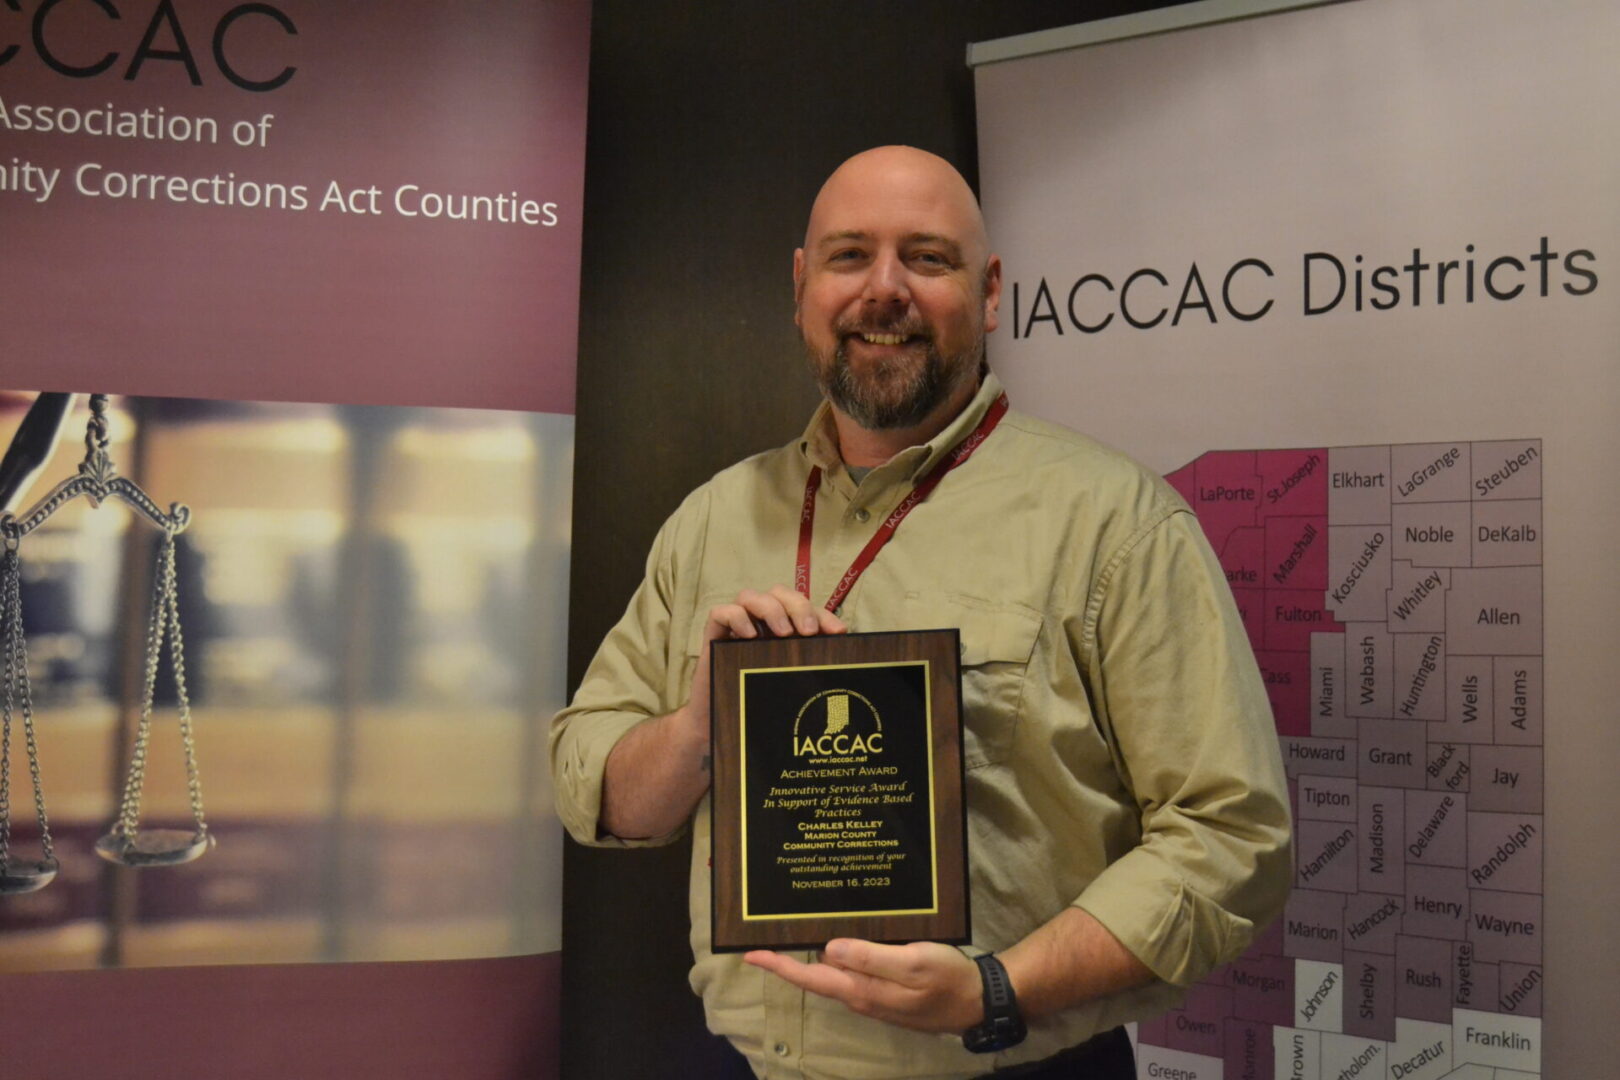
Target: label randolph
[837,791]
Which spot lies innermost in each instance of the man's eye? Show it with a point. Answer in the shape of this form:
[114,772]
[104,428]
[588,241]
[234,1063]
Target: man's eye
[930,258]
[846,255]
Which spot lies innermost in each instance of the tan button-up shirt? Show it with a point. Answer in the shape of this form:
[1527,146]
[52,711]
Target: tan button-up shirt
[1119,746]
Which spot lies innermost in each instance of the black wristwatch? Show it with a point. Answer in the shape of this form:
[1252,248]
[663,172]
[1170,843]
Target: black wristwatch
[1003,1024]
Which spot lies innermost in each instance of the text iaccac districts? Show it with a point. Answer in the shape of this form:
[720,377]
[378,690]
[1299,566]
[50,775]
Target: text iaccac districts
[1247,291]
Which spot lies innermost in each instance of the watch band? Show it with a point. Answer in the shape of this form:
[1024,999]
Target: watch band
[1003,1025]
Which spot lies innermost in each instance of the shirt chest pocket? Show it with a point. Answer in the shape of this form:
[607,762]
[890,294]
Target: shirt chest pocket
[998,640]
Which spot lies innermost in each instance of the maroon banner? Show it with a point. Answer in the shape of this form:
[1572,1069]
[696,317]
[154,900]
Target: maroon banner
[300,201]
[294,200]
[466,1019]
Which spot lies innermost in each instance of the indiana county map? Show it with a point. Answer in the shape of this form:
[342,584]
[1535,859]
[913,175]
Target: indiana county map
[1393,597]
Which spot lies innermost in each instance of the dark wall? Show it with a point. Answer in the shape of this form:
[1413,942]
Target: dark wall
[711,127]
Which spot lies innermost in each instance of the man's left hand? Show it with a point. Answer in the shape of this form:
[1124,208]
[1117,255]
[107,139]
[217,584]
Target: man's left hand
[924,986]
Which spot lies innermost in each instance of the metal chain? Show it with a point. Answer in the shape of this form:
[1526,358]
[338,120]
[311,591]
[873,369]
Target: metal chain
[7,569]
[129,811]
[16,680]
[177,657]
[165,616]
[20,646]
[96,438]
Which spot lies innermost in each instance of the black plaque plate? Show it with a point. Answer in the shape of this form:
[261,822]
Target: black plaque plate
[837,808]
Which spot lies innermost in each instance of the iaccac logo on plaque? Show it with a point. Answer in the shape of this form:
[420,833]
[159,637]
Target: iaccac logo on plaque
[839,737]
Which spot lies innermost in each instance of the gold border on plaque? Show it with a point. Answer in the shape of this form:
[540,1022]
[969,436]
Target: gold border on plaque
[742,783]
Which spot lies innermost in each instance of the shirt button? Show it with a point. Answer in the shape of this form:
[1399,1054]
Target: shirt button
[781,1049]
[863,515]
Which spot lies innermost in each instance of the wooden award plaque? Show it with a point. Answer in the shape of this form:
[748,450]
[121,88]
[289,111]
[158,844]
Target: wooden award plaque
[837,806]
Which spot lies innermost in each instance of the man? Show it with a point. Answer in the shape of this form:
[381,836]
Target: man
[1127,814]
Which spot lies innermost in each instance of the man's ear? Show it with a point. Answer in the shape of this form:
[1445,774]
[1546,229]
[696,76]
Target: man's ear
[798,284]
[992,293]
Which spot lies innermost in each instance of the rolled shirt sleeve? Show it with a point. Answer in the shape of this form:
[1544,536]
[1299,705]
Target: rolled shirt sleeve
[1175,686]
[637,674]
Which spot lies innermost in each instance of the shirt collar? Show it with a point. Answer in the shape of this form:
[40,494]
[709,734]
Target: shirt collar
[819,443]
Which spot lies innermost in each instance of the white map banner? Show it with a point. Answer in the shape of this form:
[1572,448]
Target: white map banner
[1344,275]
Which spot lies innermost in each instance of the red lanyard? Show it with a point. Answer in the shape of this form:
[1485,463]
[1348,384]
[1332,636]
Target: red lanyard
[807,518]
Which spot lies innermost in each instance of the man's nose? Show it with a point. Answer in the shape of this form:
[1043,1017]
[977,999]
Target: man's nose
[886,281]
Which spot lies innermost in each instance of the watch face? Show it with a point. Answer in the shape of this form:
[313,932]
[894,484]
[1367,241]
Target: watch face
[996,1033]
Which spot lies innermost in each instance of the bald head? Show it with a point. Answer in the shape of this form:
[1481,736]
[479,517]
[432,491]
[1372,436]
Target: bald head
[900,184]
[895,290]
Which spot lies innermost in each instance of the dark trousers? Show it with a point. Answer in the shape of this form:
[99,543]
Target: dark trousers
[1105,1057]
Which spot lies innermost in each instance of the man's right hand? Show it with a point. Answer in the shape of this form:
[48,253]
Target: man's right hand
[658,772]
[782,612]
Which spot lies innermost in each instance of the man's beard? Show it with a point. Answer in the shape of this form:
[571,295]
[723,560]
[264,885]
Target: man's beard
[893,394]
